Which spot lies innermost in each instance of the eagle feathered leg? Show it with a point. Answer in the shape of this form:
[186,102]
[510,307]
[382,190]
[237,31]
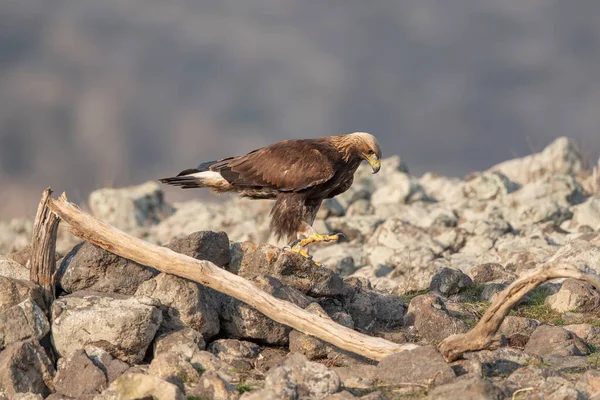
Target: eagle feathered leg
[307,235]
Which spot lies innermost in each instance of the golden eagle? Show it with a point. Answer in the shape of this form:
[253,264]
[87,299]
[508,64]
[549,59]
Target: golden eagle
[298,174]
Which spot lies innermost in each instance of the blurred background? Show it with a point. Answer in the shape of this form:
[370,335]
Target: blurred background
[98,93]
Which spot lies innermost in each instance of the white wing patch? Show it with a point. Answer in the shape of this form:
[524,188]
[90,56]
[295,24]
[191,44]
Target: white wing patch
[212,179]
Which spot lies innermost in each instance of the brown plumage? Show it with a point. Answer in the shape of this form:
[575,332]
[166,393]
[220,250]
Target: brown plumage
[298,174]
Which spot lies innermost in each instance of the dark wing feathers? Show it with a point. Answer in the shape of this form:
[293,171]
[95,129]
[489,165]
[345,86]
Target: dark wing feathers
[291,165]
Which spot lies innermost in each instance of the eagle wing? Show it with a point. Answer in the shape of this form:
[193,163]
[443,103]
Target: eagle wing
[292,165]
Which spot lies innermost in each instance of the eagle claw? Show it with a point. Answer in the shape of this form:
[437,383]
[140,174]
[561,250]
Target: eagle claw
[318,238]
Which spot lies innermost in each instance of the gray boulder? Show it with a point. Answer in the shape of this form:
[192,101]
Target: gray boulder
[130,208]
[15,291]
[185,341]
[77,376]
[298,378]
[448,281]
[204,245]
[290,268]
[241,321]
[23,321]
[12,269]
[88,267]
[562,156]
[140,386]
[431,319]
[25,367]
[422,365]
[553,340]
[123,326]
[212,386]
[574,295]
[467,388]
[185,303]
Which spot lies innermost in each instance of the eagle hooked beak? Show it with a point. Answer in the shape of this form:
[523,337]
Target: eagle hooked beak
[375,162]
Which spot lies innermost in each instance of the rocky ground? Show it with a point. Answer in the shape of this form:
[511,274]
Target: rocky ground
[422,260]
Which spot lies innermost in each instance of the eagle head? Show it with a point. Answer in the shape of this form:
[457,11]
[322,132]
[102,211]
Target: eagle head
[368,148]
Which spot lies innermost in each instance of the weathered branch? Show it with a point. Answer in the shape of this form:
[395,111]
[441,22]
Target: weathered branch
[482,335]
[43,247]
[208,274]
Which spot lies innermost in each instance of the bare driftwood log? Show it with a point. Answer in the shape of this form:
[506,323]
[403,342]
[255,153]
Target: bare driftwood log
[42,261]
[208,274]
[482,335]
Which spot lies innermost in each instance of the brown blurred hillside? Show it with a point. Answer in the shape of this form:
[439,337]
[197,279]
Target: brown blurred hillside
[96,93]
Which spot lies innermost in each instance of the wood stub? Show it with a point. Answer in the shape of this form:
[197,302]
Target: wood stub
[482,335]
[42,260]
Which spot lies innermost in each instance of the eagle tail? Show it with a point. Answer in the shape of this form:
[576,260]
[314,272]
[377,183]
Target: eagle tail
[199,177]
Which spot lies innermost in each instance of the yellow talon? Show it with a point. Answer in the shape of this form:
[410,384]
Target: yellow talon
[302,252]
[305,254]
[318,238]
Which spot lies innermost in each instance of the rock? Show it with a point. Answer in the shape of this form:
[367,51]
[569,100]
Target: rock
[140,386]
[423,365]
[111,367]
[503,361]
[580,253]
[241,321]
[15,291]
[518,330]
[589,382]
[212,386]
[542,381]
[123,326]
[290,268]
[586,214]
[174,368]
[77,376]
[568,364]
[491,290]
[467,388]
[186,303]
[25,367]
[553,340]
[574,295]
[566,393]
[12,269]
[204,245]
[491,272]
[88,267]
[394,240]
[21,322]
[588,332]
[358,376]
[237,353]
[443,189]
[298,378]
[562,156]
[448,281]
[310,346]
[403,189]
[343,258]
[131,207]
[185,341]
[357,227]
[371,310]
[488,186]
[430,317]
[28,396]
[345,395]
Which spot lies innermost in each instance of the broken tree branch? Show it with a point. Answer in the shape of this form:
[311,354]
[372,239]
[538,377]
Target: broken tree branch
[43,248]
[208,274]
[482,335]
